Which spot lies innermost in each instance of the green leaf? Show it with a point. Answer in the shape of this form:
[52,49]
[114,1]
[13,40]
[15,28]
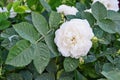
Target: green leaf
[108,51]
[46,5]
[27,31]
[79,15]
[79,76]
[107,25]
[106,39]
[8,32]
[49,39]
[80,6]
[90,58]
[4,16]
[98,32]
[108,67]
[21,54]
[69,17]
[89,17]
[54,19]
[42,57]
[46,76]
[66,78]
[99,11]
[1,3]
[14,76]
[4,24]
[70,64]
[27,75]
[31,3]
[54,3]
[9,6]
[69,2]
[34,5]
[52,67]
[10,42]
[40,23]
[16,4]
[88,69]
[117,22]
[62,75]
[98,67]
[113,15]
[10,38]
[112,75]
[109,58]
[21,9]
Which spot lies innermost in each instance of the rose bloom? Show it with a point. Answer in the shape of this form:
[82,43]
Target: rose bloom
[67,10]
[73,39]
[109,4]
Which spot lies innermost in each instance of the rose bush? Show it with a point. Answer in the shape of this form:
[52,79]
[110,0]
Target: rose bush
[59,40]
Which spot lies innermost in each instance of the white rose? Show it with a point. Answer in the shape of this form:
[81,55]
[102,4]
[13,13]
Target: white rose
[73,39]
[67,10]
[109,4]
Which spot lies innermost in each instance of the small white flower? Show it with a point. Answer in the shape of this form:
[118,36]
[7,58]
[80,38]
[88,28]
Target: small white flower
[4,9]
[67,10]
[12,13]
[109,4]
[73,39]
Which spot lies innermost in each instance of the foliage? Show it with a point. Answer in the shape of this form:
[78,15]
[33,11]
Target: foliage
[28,51]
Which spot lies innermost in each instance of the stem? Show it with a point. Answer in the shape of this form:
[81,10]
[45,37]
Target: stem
[49,31]
[42,37]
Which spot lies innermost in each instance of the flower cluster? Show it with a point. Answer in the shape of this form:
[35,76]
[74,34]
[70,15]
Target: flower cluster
[73,39]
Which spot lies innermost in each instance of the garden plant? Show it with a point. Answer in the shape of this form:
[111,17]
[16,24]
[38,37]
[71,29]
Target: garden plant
[59,40]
